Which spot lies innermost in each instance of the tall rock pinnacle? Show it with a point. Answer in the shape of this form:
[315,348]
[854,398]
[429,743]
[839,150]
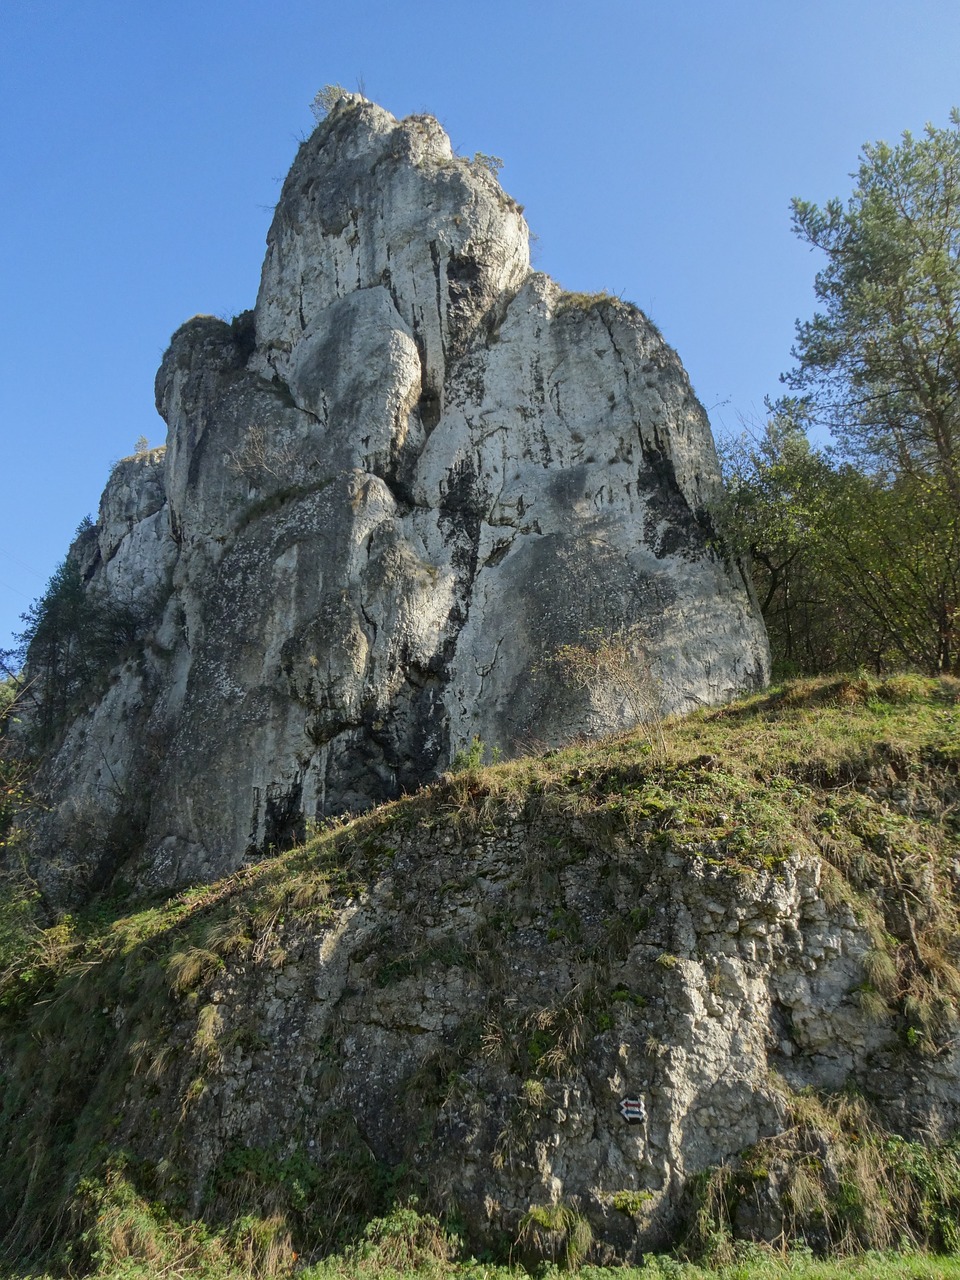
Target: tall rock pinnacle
[389,496]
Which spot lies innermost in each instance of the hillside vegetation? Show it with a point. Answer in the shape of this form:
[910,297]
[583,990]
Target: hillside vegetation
[113,1022]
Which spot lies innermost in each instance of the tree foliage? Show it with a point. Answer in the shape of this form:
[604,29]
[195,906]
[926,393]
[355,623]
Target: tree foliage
[773,512]
[856,547]
[851,569]
[615,663]
[15,772]
[881,361]
[69,641]
[325,99]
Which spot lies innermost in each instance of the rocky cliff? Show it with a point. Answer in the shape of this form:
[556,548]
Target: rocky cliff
[389,496]
[749,937]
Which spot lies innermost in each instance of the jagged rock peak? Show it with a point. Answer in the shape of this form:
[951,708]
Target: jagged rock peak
[372,202]
[390,495]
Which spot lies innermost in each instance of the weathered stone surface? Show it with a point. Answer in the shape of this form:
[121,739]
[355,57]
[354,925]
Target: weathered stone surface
[474,1008]
[388,496]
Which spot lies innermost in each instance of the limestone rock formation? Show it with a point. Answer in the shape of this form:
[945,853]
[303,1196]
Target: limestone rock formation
[453,997]
[389,495]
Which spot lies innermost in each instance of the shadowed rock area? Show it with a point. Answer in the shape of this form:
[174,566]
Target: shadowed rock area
[389,496]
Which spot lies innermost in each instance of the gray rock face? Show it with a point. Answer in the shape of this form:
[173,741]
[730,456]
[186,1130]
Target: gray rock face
[474,1008]
[388,497]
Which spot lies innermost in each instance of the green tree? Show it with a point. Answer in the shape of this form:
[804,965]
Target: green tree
[70,640]
[857,547]
[53,640]
[852,567]
[15,772]
[891,548]
[880,363]
[780,507]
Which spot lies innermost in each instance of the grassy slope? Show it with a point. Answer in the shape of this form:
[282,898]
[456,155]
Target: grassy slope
[861,772]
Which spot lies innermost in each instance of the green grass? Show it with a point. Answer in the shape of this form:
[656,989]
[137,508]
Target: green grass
[128,1238]
[568,301]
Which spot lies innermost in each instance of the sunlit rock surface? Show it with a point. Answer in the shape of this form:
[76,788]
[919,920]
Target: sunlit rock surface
[389,495]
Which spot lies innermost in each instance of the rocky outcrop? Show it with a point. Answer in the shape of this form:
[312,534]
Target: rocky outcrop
[598,984]
[481,1019]
[388,497]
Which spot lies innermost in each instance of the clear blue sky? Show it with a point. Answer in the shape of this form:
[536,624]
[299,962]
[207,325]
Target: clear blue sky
[655,144]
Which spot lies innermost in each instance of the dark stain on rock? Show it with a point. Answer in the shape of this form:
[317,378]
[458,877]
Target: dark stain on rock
[283,816]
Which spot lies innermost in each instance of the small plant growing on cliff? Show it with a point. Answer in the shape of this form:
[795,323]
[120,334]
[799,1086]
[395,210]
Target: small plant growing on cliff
[474,756]
[493,164]
[534,1093]
[325,100]
[191,966]
[258,457]
[616,662]
[404,1241]
[556,1233]
[573,301]
[632,1203]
